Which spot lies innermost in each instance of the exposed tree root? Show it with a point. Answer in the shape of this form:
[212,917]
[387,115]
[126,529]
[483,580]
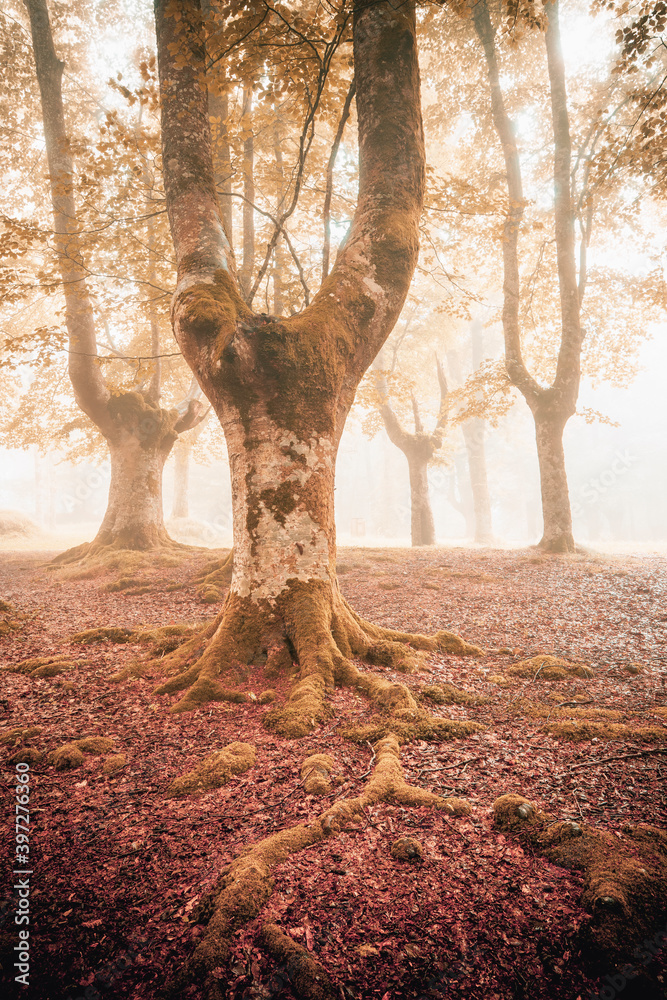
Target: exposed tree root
[580,732]
[103,549]
[308,978]
[313,626]
[246,884]
[215,578]
[42,666]
[94,558]
[215,770]
[625,878]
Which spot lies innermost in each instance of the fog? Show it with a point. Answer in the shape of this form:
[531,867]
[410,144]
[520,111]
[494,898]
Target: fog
[617,479]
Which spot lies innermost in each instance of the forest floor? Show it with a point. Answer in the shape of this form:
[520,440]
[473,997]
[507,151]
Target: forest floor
[118,868]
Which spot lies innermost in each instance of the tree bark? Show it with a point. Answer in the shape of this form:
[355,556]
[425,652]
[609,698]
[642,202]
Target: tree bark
[137,430]
[553,406]
[557,534]
[248,264]
[282,387]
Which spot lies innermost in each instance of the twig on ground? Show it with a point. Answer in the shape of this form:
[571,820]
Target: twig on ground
[621,756]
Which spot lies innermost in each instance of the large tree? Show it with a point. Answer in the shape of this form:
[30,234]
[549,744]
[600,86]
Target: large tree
[282,387]
[139,432]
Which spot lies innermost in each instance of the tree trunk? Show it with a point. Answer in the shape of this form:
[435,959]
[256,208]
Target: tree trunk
[422,527]
[133,518]
[248,264]
[559,399]
[140,434]
[282,387]
[557,515]
[419,449]
[180,506]
[473,435]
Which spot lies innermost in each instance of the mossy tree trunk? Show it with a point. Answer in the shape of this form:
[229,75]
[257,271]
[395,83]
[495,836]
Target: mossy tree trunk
[552,406]
[282,387]
[139,432]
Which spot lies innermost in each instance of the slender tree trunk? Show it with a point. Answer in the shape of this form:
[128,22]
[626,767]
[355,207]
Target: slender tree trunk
[247,267]
[473,435]
[464,501]
[180,506]
[422,527]
[551,407]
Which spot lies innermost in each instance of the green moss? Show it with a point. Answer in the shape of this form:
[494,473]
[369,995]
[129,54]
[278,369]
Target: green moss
[579,732]
[42,666]
[548,668]
[431,729]
[407,849]
[307,976]
[215,770]
[66,757]
[94,744]
[111,634]
[447,694]
[113,764]
[315,772]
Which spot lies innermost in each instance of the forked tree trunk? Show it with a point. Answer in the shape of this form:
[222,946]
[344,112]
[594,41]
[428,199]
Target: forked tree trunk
[282,387]
[553,406]
[139,432]
[419,448]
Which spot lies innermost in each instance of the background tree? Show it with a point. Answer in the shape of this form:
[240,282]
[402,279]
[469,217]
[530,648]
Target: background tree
[139,432]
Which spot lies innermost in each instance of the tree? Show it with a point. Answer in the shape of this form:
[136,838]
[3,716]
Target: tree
[473,429]
[282,387]
[553,406]
[419,448]
[139,432]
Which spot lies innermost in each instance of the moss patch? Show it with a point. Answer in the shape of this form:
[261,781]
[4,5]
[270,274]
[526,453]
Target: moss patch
[625,878]
[112,634]
[215,770]
[95,744]
[113,764]
[579,732]
[315,772]
[67,757]
[407,849]
[447,694]
[548,668]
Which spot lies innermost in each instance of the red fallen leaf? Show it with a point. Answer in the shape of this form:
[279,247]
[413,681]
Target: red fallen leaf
[310,943]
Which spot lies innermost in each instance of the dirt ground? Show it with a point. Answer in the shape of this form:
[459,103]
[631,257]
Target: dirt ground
[118,868]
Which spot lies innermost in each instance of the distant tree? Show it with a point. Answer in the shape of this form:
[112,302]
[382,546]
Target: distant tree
[139,432]
[419,447]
